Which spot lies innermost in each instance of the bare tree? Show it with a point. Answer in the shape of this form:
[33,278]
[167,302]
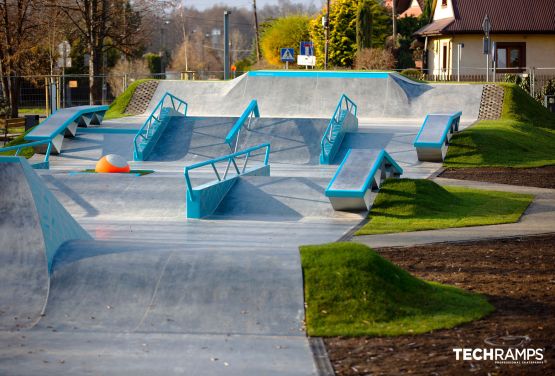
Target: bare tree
[18,40]
[105,24]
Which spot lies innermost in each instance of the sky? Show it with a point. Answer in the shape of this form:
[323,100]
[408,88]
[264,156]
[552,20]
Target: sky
[203,4]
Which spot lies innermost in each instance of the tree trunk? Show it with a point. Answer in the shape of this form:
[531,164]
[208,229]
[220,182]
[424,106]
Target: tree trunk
[95,82]
[15,89]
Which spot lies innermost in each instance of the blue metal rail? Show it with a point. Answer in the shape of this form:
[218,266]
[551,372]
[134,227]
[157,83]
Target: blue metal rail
[339,124]
[45,164]
[205,199]
[154,126]
[250,112]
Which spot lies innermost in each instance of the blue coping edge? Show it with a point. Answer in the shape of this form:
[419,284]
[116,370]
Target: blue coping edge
[65,124]
[360,193]
[440,143]
[210,195]
[57,225]
[318,74]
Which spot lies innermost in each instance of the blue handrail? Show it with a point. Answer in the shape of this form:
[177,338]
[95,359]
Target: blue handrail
[231,159]
[18,148]
[250,111]
[146,131]
[344,105]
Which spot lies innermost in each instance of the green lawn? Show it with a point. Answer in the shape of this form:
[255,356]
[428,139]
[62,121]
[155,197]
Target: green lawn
[25,152]
[523,137]
[413,205]
[119,105]
[350,290]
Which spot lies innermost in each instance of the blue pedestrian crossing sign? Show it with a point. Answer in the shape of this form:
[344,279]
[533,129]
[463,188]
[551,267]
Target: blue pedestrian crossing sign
[287,55]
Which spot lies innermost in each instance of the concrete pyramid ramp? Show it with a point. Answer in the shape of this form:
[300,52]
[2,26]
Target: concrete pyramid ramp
[33,225]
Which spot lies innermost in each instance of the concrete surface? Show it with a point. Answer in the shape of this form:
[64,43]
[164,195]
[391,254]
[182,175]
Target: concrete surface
[307,97]
[539,218]
[155,292]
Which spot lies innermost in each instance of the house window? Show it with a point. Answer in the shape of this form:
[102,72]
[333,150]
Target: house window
[443,3]
[511,57]
[444,58]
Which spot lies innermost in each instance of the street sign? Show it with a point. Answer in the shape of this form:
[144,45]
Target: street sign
[307,48]
[287,55]
[306,60]
[64,49]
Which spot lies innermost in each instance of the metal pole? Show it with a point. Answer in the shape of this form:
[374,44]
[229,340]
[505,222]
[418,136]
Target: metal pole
[487,67]
[459,62]
[327,32]
[256,32]
[226,44]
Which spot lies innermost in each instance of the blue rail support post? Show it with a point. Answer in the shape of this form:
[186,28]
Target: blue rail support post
[250,112]
[148,135]
[344,120]
[203,200]
[359,178]
[432,141]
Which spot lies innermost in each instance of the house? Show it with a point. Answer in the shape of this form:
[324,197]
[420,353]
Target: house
[522,36]
[407,8]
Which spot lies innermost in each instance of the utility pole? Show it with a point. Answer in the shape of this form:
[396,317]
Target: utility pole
[256,31]
[226,44]
[327,31]
[394,20]
[185,39]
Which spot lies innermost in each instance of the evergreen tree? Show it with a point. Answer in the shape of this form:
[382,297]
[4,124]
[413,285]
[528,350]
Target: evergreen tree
[364,25]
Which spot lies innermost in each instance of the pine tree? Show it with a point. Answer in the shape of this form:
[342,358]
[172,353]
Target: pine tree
[364,25]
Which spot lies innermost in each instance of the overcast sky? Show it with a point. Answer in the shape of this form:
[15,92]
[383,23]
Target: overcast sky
[202,4]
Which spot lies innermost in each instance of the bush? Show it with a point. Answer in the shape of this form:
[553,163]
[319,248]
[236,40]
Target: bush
[413,73]
[133,68]
[374,58]
[281,33]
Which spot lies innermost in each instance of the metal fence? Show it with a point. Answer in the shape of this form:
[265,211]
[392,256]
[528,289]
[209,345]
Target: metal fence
[73,90]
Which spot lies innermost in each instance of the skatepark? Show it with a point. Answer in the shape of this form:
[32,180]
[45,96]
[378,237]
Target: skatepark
[115,275]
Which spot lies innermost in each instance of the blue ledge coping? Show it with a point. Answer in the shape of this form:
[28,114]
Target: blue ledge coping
[66,123]
[318,74]
[360,193]
[439,144]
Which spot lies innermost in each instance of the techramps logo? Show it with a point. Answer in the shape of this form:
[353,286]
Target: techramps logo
[503,350]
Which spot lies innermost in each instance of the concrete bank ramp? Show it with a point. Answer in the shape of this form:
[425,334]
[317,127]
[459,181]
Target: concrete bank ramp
[197,139]
[133,287]
[32,227]
[269,198]
[315,94]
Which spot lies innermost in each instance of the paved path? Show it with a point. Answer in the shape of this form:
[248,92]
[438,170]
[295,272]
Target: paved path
[539,218]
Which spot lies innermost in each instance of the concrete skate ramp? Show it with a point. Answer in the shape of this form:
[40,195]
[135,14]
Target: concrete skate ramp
[133,287]
[32,227]
[129,197]
[315,94]
[200,138]
[268,198]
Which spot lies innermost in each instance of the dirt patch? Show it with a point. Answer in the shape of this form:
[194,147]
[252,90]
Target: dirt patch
[518,277]
[542,177]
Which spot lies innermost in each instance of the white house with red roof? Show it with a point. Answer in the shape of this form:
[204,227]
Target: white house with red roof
[522,32]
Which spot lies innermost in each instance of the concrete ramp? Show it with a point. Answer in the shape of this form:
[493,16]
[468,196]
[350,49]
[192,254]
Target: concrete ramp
[313,94]
[33,226]
[133,287]
[268,198]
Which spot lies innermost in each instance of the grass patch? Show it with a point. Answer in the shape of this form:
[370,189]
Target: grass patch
[413,205]
[136,172]
[523,137]
[118,106]
[350,290]
[32,111]
[25,152]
